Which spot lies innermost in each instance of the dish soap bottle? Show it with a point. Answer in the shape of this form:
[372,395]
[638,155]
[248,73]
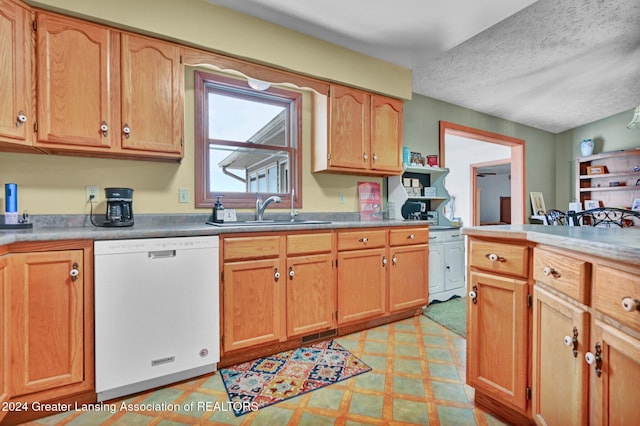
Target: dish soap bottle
[218,210]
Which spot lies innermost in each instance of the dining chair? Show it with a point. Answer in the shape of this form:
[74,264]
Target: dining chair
[605,217]
[555,217]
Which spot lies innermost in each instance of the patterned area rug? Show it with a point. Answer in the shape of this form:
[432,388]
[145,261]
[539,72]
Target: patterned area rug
[266,381]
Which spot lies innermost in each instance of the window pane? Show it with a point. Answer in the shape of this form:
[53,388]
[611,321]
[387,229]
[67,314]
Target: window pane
[245,120]
[234,169]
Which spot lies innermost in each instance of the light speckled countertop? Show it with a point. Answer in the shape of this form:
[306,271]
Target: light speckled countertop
[613,243]
[170,226]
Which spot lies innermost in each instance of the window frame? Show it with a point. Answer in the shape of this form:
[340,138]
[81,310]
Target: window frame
[203,195]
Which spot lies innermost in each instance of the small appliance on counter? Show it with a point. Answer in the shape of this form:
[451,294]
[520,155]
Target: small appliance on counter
[11,218]
[119,207]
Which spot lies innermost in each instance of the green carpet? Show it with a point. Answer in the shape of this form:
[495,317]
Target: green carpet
[451,314]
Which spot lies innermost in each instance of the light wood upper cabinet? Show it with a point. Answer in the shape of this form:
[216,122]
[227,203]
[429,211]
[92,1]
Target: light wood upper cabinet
[386,134]
[107,93]
[152,99]
[75,84]
[16,90]
[364,137]
[50,323]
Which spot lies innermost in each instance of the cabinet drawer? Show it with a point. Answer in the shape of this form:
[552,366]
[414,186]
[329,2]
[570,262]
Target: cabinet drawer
[614,287]
[365,238]
[447,236]
[309,243]
[563,273]
[512,259]
[408,236]
[251,247]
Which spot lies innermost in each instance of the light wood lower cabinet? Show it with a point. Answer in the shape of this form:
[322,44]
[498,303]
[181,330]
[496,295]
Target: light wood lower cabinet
[409,269]
[560,373]
[497,338]
[49,320]
[614,379]
[4,272]
[361,284]
[252,303]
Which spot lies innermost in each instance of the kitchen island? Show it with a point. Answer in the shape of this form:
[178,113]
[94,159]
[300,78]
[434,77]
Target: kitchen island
[554,323]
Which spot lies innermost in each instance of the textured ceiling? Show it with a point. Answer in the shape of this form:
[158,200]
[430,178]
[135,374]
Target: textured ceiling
[550,64]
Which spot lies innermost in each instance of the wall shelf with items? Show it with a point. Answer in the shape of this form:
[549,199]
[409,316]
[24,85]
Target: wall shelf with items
[421,185]
[612,178]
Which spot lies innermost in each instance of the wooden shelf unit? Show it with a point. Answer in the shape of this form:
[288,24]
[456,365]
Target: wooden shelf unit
[620,168]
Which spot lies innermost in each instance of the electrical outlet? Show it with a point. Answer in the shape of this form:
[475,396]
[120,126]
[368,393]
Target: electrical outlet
[341,197]
[183,195]
[91,192]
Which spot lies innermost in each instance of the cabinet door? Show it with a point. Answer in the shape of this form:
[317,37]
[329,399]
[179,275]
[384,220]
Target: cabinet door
[152,97]
[46,321]
[3,284]
[311,301]
[361,284]
[436,270]
[497,338]
[408,275]
[386,134]
[560,377]
[349,136]
[454,271]
[252,303]
[15,74]
[614,393]
[75,94]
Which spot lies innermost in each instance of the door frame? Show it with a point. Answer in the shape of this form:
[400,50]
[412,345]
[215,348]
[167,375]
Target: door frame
[517,161]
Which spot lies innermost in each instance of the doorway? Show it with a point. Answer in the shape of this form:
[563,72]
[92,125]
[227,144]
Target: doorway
[492,194]
[482,146]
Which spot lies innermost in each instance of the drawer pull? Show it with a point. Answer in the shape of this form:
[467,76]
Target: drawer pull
[629,304]
[473,294]
[412,236]
[494,257]
[364,240]
[595,359]
[432,238]
[548,270]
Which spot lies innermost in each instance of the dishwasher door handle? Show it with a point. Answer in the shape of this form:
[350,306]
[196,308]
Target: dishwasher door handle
[159,254]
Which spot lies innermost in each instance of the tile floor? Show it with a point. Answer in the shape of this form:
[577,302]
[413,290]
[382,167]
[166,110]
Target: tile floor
[417,378]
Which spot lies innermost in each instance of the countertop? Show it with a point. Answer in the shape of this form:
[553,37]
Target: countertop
[164,227]
[621,244]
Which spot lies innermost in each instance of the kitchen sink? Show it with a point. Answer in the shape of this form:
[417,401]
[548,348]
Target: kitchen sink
[267,222]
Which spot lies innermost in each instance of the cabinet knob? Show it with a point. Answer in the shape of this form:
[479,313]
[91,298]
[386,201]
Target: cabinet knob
[567,340]
[412,237]
[74,272]
[126,130]
[629,304]
[548,270]
[375,157]
[595,359]
[473,294]
[291,273]
[384,261]
[495,258]
[276,274]
[104,129]
[21,118]
[573,341]
[394,259]
[364,240]
[365,157]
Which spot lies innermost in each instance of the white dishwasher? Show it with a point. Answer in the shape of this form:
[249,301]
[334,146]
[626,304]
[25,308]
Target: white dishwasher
[156,312]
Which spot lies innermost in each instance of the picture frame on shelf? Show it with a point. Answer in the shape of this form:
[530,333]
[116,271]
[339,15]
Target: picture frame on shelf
[417,159]
[636,205]
[596,170]
[591,204]
[537,203]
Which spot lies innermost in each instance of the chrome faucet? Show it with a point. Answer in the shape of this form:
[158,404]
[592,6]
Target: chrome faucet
[260,206]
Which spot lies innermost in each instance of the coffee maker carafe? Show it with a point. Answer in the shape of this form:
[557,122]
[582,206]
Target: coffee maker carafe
[119,207]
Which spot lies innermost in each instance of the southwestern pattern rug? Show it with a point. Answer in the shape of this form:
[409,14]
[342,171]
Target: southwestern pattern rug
[266,381]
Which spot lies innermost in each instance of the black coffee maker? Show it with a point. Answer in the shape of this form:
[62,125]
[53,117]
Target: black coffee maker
[119,207]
